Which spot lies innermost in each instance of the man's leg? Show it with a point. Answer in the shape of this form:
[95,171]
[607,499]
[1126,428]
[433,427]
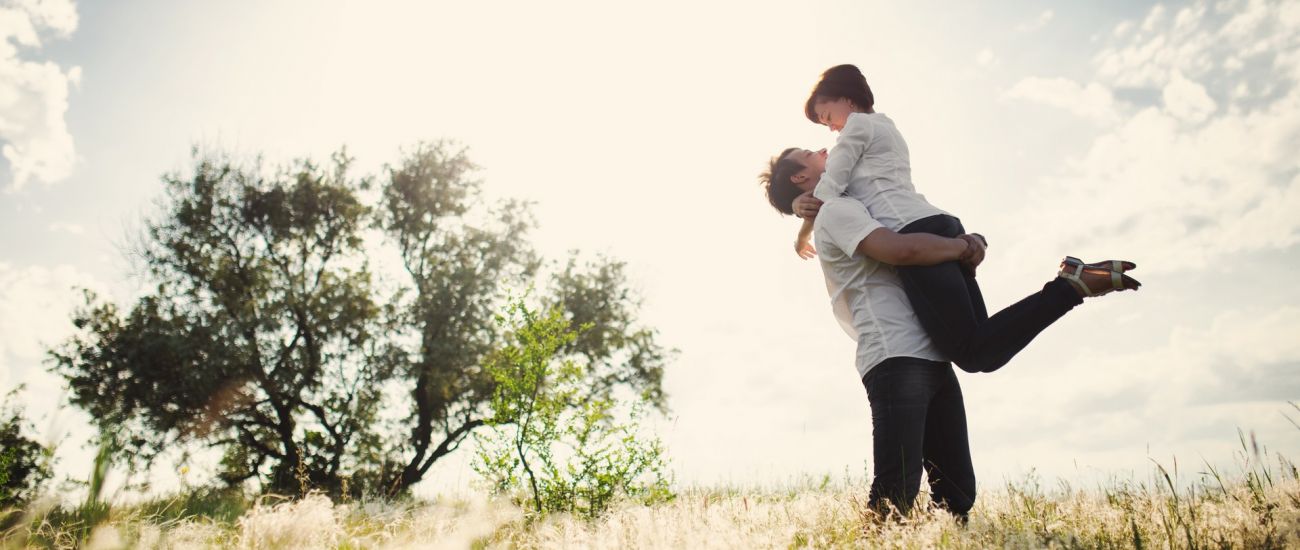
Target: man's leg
[900,390]
[947,450]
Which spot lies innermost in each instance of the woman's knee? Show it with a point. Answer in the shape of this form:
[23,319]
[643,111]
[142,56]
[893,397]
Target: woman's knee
[980,364]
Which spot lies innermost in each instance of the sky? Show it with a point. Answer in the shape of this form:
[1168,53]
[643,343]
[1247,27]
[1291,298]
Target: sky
[1164,133]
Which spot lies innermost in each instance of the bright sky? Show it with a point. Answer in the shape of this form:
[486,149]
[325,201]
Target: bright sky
[1162,133]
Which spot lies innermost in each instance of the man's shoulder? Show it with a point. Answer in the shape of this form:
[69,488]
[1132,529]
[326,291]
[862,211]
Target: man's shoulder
[843,222]
[839,207]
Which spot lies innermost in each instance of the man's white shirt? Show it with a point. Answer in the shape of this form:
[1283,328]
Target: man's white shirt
[866,295]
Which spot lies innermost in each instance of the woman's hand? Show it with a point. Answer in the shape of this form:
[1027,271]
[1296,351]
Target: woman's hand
[806,205]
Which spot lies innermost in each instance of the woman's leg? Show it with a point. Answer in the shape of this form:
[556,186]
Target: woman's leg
[947,301]
[941,295]
[1004,334]
[951,308]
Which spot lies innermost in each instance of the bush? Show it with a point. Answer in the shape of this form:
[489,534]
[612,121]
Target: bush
[24,463]
[563,447]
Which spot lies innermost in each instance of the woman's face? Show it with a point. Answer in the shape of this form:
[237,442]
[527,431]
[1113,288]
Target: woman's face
[834,112]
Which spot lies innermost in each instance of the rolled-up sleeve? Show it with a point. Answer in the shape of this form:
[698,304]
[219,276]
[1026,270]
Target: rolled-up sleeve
[844,223]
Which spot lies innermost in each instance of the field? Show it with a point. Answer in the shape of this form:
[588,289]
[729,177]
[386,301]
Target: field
[1256,506]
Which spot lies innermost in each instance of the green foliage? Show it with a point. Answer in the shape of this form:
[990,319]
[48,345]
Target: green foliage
[24,463]
[258,331]
[553,438]
[95,508]
[221,504]
[269,337]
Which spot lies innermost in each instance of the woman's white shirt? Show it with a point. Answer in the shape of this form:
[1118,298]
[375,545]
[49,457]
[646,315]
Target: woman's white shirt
[870,164]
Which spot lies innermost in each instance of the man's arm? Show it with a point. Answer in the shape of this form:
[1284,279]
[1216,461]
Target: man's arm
[893,248]
[849,228]
[803,242]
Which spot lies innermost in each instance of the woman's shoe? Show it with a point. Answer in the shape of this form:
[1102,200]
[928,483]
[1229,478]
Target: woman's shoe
[1099,278]
[1113,265]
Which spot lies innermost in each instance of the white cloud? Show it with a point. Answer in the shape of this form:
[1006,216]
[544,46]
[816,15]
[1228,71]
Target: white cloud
[34,94]
[69,228]
[986,58]
[1194,176]
[1036,23]
[1154,17]
[36,305]
[1123,28]
[1185,396]
[1197,43]
[1187,100]
[1219,362]
[1092,101]
[1211,181]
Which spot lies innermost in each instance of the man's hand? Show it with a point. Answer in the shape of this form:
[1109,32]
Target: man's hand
[806,205]
[974,255]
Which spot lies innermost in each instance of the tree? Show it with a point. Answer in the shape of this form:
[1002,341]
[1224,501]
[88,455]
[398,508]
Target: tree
[270,335]
[258,336]
[460,271]
[24,463]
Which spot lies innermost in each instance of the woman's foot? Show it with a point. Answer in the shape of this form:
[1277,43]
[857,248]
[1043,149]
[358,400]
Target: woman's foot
[1098,278]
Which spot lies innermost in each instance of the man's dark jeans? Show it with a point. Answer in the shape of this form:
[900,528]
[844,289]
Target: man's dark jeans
[918,420]
[950,307]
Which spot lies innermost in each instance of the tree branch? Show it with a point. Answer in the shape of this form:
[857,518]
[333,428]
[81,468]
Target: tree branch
[448,445]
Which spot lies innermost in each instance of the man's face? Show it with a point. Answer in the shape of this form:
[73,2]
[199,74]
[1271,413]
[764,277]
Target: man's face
[834,112]
[814,163]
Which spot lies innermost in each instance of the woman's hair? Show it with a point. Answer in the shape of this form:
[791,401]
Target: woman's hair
[840,81]
[781,191]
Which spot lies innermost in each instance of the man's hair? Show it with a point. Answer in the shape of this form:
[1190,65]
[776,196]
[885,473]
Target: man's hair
[840,81]
[781,191]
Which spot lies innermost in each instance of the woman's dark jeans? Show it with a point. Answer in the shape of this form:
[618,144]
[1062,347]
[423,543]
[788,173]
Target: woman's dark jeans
[918,420]
[950,307]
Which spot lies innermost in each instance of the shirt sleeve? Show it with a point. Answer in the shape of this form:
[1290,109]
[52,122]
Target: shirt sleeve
[853,141]
[843,224]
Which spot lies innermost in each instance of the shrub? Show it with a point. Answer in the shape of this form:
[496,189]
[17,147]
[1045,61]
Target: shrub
[565,448]
[24,463]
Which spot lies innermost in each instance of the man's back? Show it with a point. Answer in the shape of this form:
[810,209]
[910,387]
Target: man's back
[866,296]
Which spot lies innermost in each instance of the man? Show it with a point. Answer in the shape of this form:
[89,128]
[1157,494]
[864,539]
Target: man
[917,414]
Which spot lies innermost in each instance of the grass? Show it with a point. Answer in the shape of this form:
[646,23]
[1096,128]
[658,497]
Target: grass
[1256,506]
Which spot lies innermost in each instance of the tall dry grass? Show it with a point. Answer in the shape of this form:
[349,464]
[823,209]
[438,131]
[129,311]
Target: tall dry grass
[1257,507]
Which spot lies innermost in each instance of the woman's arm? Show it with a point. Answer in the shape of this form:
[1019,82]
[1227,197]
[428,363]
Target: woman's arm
[806,206]
[848,149]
